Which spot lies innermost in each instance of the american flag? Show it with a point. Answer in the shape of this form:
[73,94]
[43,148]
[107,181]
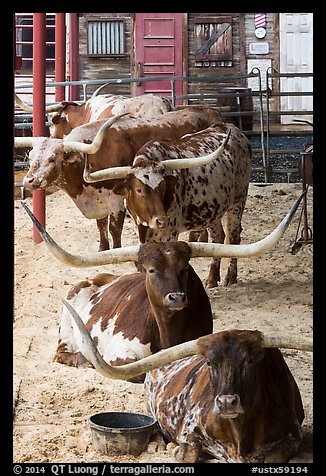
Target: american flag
[260,20]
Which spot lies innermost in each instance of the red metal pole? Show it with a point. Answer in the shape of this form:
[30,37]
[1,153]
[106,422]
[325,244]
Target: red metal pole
[39,50]
[73,55]
[60,55]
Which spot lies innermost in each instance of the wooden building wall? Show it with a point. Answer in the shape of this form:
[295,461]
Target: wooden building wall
[243,34]
[105,67]
[209,69]
[243,37]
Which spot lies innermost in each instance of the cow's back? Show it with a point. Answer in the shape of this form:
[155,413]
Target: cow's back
[126,136]
[116,312]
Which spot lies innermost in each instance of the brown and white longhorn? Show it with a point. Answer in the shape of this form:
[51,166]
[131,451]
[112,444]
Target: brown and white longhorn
[112,142]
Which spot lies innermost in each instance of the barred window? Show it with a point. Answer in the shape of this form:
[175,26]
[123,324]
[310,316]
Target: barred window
[106,37]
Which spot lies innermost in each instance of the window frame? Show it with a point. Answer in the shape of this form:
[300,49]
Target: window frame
[226,56]
[102,20]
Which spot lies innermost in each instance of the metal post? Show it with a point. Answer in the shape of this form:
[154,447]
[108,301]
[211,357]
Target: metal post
[60,55]
[173,92]
[261,114]
[39,51]
[73,55]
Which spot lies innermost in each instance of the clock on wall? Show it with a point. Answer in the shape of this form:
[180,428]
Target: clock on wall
[260,32]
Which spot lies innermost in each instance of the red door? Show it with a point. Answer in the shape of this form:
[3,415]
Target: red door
[158,51]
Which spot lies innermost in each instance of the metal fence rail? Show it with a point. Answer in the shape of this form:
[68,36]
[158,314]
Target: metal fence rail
[262,111]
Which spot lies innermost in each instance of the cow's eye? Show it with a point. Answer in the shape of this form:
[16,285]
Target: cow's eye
[151,270]
[51,160]
[138,190]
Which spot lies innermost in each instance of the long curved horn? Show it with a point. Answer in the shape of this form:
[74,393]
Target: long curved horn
[25,107]
[105,174]
[76,146]
[215,250]
[130,253]
[125,372]
[24,141]
[116,255]
[177,164]
[165,356]
[97,91]
[288,342]
[123,172]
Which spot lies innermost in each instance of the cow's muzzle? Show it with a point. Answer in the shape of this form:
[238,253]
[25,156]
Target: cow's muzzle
[176,301]
[158,222]
[31,182]
[228,406]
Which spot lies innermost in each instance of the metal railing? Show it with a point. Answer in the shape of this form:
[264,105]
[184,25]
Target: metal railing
[264,113]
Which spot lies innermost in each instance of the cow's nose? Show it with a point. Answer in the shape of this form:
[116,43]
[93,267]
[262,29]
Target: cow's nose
[174,297]
[176,300]
[228,400]
[158,222]
[31,182]
[228,405]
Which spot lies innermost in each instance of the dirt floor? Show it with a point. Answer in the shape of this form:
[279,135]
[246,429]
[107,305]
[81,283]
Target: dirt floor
[52,402]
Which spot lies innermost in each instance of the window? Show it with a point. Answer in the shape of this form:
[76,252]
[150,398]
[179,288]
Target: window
[24,41]
[213,41]
[106,37]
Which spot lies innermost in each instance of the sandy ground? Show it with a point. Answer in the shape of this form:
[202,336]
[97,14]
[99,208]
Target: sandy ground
[52,402]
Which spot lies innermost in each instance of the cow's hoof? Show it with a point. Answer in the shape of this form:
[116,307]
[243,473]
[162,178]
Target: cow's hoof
[230,280]
[211,284]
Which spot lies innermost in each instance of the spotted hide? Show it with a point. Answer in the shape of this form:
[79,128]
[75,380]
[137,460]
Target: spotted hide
[52,164]
[170,202]
[237,402]
[132,316]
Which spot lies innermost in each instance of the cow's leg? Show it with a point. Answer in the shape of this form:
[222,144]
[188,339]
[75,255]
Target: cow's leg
[234,215]
[73,359]
[283,450]
[190,448]
[115,227]
[198,236]
[142,233]
[217,235]
[67,351]
[102,225]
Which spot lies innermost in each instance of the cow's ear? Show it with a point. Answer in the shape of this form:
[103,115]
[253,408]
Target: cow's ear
[71,157]
[171,182]
[121,188]
[57,119]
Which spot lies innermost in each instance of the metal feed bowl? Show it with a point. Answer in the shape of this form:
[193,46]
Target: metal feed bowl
[119,433]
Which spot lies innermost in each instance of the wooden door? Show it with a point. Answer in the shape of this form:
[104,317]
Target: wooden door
[296,56]
[159,51]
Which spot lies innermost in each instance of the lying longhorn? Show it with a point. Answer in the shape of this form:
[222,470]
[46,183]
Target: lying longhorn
[135,315]
[232,395]
[246,411]
[132,316]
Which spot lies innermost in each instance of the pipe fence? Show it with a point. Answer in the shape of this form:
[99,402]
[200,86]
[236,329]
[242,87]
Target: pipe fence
[260,110]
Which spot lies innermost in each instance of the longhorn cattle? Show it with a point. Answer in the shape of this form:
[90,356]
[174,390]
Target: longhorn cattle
[237,400]
[61,162]
[170,191]
[67,115]
[132,316]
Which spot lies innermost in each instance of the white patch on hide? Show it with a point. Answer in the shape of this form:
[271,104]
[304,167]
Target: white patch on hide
[98,203]
[153,178]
